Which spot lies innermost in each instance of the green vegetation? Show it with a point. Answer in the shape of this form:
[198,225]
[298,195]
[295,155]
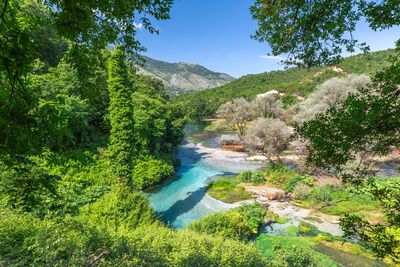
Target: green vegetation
[292,251]
[251,177]
[227,190]
[293,81]
[80,132]
[313,251]
[285,178]
[26,240]
[341,200]
[292,230]
[366,123]
[217,125]
[121,147]
[240,223]
[282,220]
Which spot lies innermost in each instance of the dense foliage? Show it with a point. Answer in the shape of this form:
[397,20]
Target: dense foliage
[293,81]
[77,138]
[240,223]
[366,123]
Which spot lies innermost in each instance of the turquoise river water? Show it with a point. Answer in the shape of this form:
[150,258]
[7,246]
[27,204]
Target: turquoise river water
[184,199]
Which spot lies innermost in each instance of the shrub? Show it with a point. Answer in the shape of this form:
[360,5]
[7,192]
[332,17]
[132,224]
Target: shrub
[292,181]
[278,175]
[244,176]
[251,177]
[291,256]
[301,191]
[292,251]
[240,223]
[150,171]
[222,184]
[118,210]
[26,241]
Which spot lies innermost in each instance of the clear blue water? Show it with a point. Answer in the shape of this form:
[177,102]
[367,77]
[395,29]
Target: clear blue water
[184,199]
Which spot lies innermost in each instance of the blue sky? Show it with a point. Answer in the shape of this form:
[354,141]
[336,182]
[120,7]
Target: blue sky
[216,34]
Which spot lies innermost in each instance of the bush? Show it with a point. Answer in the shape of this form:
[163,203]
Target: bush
[244,176]
[301,191]
[26,241]
[120,209]
[292,251]
[291,256]
[293,181]
[279,174]
[240,223]
[150,171]
[251,177]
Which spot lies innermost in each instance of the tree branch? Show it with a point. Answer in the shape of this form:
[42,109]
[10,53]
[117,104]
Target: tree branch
[97,258]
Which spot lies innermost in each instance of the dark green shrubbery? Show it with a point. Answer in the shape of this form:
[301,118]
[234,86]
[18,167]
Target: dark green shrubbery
[27,241]
[251,177]
[295,180]
[292,251]
[240,223]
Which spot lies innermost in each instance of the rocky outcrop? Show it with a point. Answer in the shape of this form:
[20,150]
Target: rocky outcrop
[182,77]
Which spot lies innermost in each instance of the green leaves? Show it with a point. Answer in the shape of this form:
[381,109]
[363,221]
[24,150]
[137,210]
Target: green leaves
[309,33]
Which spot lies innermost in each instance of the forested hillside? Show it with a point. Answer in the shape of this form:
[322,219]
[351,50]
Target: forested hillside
[81,134]
[293,81]
[179,78]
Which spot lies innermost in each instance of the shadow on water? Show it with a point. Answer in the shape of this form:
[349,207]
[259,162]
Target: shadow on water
[184,205]
[189,157]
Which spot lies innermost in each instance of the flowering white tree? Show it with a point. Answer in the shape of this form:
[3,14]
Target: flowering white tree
[268,106]
[328,94]
[237,115]
[269,137]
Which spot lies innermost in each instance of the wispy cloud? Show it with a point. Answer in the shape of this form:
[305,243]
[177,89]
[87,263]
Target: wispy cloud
[277,58]
[138,25]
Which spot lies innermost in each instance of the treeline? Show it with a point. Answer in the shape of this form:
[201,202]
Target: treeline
[80,135]
[293,81]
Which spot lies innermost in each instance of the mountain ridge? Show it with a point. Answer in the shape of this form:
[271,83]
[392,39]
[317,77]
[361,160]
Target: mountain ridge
[182,77]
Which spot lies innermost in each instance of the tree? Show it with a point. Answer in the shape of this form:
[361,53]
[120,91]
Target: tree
[237,114]
[121,150]
[315,33]
[270,137]
[31,29]
[268,106]
[328,94]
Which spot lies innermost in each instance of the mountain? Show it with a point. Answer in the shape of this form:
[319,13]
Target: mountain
[292,82]
[182,77]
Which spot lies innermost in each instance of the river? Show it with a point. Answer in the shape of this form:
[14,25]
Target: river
[184,199]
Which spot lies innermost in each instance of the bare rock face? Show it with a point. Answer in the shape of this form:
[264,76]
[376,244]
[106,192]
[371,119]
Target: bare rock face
[278,196]
[182,77]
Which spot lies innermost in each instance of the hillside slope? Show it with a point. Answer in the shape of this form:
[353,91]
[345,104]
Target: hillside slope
[292,81]
[183,77]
